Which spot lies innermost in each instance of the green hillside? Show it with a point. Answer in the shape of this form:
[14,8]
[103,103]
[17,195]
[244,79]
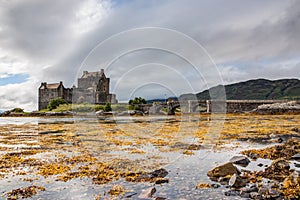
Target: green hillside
[259,89]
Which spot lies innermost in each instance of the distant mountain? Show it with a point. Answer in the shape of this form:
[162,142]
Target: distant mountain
[161,100]
[259,89]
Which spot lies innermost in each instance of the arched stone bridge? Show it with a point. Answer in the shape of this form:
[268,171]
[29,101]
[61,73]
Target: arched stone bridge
[215,106]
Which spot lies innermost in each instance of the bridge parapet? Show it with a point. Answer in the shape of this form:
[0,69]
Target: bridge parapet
[215,106]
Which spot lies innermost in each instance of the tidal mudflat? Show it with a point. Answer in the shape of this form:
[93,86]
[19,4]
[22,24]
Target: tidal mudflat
[149,157]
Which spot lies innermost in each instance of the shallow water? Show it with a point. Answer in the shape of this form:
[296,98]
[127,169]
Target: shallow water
[147,143]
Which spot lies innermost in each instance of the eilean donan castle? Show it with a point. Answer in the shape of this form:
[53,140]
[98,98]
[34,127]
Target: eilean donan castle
[93,87]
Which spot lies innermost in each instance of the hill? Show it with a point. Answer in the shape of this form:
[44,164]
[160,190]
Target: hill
[258,89]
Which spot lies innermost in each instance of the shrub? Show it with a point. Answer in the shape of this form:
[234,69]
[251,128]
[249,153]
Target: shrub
[107,107]
[17,110]
[137,100]
[54,103]
[99,107]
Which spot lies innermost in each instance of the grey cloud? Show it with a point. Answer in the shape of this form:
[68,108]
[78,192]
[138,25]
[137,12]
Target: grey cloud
[261,35]
[39,30]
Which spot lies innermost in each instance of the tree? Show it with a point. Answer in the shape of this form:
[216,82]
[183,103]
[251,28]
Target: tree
[107,107]
[54,103]
[137,100]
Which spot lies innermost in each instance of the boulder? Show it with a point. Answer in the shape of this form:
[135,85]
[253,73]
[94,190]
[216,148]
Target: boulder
[240,160]
[222,171]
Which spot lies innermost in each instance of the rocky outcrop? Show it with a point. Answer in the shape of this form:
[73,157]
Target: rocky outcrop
[278,108]
[277,181]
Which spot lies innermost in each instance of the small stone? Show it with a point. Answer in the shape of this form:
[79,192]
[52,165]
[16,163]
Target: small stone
[215,185]
[296,129]
[253,156]
[161,181]
[253,188]
[147,193]
[240,160]
[160,173]
[130,194]
[236,181]
[160,198]
[253,195]
[281,165]
[260,165]
[223,180]
[231,193]
[264,192]
[194,147]
[203,185]
[296,157]
[274,193]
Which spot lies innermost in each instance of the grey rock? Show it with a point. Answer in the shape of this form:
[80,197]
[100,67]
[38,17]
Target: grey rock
[253,195]
[159,198]
[236,181]
[160,173]
[148,193]
[222,171]
[161,181]
[231,193]
[240,160]
[215,185]
[248,189]
[129,194]
[131,112]
[274,193]
[100,112]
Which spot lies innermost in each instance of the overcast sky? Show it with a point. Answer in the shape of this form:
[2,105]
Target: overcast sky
[148,48]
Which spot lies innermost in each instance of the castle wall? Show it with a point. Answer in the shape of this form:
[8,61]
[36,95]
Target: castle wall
[90,82]
[45,94]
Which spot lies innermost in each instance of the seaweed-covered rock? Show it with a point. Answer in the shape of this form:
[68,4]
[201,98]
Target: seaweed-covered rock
[222,171]
[278,170]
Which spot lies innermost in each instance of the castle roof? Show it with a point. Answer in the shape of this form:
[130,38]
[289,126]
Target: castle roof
[50,85]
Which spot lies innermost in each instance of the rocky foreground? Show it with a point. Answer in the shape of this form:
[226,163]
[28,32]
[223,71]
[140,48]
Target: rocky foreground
[277,181]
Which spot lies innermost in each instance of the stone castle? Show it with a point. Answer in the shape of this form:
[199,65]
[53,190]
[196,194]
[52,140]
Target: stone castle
[93,87]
